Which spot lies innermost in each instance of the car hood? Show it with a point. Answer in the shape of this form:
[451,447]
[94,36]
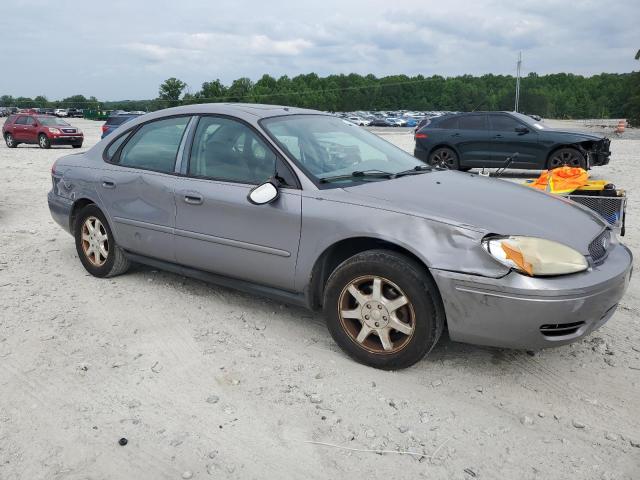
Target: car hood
[483,204]
[579,136]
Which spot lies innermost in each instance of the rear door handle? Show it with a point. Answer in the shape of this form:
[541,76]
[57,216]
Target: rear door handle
[455,134]
[497,136]
[108,183]
[193,198]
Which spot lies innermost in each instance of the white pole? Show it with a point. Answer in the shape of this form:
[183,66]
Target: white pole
[518,81]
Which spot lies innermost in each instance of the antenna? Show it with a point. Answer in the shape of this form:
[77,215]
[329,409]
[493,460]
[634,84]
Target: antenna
[518,81]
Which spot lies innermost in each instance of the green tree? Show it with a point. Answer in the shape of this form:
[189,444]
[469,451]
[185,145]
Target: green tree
[171,90]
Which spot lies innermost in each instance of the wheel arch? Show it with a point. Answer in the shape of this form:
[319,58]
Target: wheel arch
[343,249]
[77,206]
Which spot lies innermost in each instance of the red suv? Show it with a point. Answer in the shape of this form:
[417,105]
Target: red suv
[45,130]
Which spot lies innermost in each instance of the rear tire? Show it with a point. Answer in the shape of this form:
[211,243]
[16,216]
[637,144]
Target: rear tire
[566,157]
[96,247]
[444,157]
[77,146]
[363,323]
[44,141]
[10,141]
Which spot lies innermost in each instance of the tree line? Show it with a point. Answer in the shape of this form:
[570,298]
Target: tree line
[561,95]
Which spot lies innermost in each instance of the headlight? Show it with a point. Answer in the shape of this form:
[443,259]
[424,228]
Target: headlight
[535,256]
[54,130]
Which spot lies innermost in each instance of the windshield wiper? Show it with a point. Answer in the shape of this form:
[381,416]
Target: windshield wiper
[415,170]
[359,174]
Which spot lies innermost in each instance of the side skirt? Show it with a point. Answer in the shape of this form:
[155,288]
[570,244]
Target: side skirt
[293,298]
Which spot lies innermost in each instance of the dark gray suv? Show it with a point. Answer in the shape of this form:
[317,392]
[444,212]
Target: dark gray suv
[311,209]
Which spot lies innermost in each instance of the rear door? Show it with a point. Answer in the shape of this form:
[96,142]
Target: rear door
[217,228]
[470,140]
[506,140]
[137,187]
[20,128]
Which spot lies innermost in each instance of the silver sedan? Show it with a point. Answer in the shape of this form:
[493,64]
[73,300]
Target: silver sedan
[311,209]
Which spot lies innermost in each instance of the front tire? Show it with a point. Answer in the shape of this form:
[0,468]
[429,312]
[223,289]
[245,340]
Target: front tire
[383,309]
[96,247]
[44,141]
[566,157]
[10,141]
[444,157]
[77,145]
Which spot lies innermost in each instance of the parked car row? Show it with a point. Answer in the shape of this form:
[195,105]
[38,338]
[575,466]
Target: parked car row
[307,208]
[58,112]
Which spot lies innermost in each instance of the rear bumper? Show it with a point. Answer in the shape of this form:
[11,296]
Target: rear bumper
[510,311]
[67,140]
[60,209]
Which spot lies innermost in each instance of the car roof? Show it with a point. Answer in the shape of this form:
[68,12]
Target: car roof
[242,110]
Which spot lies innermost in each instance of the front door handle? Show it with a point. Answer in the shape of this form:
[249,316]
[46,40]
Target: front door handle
[193,198]
[497,136]
[108,183]
[455,134]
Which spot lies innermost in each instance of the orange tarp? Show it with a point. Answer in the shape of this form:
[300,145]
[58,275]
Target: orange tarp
[561,180]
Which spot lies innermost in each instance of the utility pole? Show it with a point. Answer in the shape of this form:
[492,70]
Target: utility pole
[518,81]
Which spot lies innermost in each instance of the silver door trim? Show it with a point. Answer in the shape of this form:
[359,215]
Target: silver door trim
[232,243]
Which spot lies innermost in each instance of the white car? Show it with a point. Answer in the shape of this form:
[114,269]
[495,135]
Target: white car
[61,112]
[359,121]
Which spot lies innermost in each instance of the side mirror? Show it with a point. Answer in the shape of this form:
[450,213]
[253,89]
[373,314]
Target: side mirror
[263,194]
[522,130]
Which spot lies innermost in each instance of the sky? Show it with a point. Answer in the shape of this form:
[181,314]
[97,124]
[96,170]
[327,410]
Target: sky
[124,49]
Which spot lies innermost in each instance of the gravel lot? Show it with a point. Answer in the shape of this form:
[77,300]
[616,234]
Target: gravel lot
[205,382]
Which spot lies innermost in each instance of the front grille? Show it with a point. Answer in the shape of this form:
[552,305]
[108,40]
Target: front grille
[560,329]
[598,247]
[69,130]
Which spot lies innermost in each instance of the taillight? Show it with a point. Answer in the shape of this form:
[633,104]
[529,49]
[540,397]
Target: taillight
[421,135]
[104,128]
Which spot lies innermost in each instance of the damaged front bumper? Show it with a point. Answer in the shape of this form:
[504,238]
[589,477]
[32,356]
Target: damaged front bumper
[521,312]
[599,153]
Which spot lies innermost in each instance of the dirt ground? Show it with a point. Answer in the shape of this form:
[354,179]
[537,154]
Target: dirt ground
[205,382]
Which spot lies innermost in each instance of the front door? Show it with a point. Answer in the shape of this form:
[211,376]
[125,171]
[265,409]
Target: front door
[30,130]
[217,228]
[137,188]
[509,136]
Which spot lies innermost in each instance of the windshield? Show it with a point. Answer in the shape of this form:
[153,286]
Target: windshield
[52,121]
[528,120]
[326,146]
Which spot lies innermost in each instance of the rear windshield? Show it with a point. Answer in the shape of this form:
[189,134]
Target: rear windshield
[118,120]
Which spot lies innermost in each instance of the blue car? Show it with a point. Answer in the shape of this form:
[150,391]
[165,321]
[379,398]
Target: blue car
[114,121]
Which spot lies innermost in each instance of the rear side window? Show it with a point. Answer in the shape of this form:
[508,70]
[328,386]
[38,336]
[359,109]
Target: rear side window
[155,145]
[472,122]
[113,148]
[503,123]
[448,123]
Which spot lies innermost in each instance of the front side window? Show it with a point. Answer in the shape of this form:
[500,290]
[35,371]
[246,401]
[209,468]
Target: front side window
[155,145]
[502,123]
[21,121]
[327,147]
[472,122]
[225,149]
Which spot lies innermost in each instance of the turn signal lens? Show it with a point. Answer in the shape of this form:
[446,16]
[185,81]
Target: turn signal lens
[535,256]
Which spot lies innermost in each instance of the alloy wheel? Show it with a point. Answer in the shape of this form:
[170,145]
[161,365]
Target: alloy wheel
[376,314]
[443,158]
[565,158]
[9,140]
[43,141]
[95,241]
